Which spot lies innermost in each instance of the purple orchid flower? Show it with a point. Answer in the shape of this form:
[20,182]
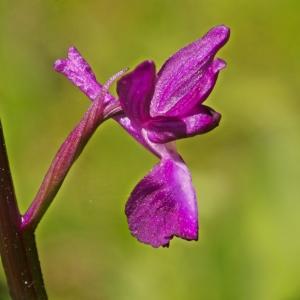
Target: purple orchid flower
[157,109]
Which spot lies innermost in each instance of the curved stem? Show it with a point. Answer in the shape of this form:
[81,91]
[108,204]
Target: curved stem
[61,164]
[64,159]
[67,154]
[17,241]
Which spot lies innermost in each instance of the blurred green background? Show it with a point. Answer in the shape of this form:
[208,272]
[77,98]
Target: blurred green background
[246,172]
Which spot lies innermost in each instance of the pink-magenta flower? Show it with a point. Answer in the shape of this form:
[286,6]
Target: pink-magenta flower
[159,108]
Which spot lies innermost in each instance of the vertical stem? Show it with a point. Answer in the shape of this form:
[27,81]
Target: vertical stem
[18,249]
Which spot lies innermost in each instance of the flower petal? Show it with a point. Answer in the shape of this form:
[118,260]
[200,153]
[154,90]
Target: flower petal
[166,129]
[79,72]
[135,91]
[163,205]
[132,129]
[197,89]
[189,75]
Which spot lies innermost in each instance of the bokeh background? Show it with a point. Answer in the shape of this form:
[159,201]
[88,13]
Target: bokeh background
[246,172]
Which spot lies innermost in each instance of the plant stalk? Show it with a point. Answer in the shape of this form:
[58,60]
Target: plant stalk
[67,155]
[17,247]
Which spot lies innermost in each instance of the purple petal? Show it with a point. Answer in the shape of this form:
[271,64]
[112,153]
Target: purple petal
[166,129]
[141,136]
[131,128]
[135,91]
[163,205]
[197,89]
[78,71]
[189,75]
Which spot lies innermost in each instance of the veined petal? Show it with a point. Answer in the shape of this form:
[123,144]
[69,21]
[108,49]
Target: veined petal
[166,129]
[189,75]
[197,89]
[132,129]
[79,72]
[141,136]
[135,91]
[163,205]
